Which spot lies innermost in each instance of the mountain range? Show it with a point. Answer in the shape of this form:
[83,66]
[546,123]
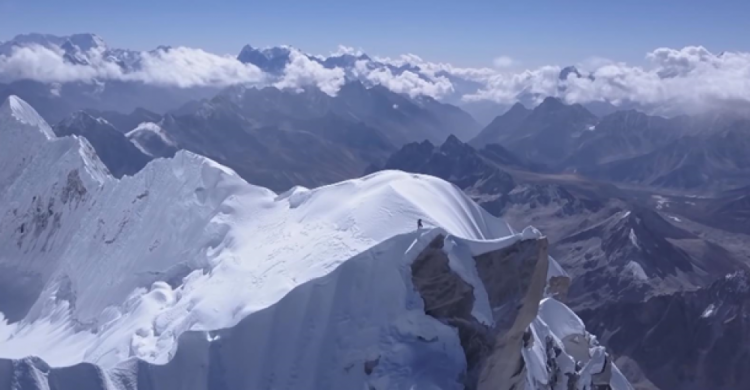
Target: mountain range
[279,138]
[700,153]
[626,147]
[645,220]
[622,248]
[124,83]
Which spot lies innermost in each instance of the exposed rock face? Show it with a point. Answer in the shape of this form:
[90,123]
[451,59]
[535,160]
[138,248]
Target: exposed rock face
[547,134]
[686,341]
[450,299]
[500,128]
[126,122]
[528,345]
[515,279]
[557,287]
[485,175]
[636,254]
[506,185]
[453,161]
[714,159]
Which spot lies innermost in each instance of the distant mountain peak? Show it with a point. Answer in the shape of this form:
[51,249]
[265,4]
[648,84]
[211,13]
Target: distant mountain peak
[82,118]
[112,147]
[550,103]
[353,86]
[631,117]
[452,143]
[14,109]
[87,41]
[82,41]
[518,107]
[36,38]
[272,60]
[567,71]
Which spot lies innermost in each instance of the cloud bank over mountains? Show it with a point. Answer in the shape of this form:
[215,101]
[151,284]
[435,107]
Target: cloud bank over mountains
[181,67]
[691,76]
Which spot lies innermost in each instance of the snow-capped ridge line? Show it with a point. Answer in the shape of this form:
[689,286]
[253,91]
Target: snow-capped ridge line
[178,236]
[16,108]
[391,307]
[374,281]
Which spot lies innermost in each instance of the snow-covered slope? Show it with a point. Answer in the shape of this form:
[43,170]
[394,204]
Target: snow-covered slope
[304,284]
[152,140]
[563,355]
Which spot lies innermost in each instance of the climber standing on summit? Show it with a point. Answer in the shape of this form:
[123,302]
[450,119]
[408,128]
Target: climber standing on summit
[419,224]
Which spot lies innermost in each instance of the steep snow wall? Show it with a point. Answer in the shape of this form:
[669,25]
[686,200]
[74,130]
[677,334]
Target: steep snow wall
[363,323]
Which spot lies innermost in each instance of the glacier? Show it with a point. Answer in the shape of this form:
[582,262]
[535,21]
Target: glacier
[186,276]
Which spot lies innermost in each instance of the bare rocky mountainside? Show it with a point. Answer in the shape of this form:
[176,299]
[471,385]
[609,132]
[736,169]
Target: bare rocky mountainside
[690,340]
[627,249]
[280,138]
[701,153]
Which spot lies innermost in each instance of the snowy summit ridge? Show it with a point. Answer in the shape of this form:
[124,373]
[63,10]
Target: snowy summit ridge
[155,270]
[16,110]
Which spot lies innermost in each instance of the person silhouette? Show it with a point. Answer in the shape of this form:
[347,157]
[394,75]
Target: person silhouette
[419,223]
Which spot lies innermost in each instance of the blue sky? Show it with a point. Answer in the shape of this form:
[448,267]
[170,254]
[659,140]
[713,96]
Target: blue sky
[463,33]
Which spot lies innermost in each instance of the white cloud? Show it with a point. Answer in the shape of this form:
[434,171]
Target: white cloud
[680,62]
[185,67]
[405,82]
[688,77]
[302,71]
[506,87]
[181,67]
[595,62]
[503,62]
[342,50]
[433,68]
[48,65]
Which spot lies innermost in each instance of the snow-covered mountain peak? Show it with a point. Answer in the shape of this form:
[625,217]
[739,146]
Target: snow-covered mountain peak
[151,139]
[271,59]
[34,158]
[86,42]
[305,285]
[102,250]
[83,119]
[14,109]
[75,46]
[46,40]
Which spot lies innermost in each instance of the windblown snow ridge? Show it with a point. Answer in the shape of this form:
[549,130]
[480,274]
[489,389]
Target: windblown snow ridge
[313,288]
[119,268]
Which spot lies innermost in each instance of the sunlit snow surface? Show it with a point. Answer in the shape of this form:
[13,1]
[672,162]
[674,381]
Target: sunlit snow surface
[239,247]
[118,269]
